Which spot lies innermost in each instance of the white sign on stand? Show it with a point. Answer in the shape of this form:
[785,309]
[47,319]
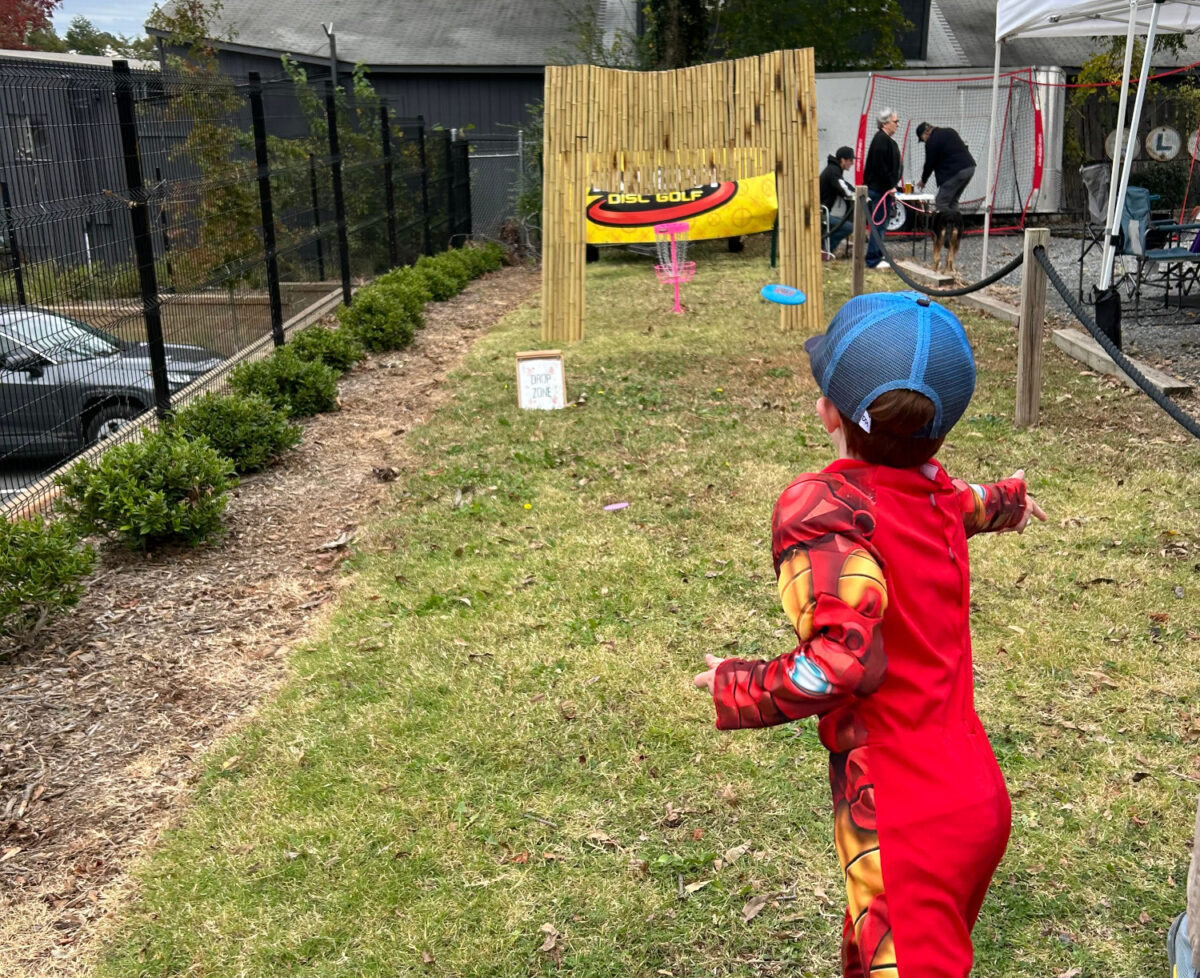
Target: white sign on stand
[540,382]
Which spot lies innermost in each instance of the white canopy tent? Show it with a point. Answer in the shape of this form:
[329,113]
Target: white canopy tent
[1049,18]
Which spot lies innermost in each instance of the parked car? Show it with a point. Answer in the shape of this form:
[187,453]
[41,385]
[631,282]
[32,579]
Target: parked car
[65,385]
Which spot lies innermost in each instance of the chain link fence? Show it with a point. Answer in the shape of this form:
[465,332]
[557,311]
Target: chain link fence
[158,228]
[506,190]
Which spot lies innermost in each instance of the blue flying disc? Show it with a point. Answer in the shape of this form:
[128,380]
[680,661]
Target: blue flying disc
[785,295]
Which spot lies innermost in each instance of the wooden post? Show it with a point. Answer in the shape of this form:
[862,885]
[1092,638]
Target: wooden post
[1029,331]
[859,273]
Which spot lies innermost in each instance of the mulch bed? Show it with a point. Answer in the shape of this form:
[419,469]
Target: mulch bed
[105,712]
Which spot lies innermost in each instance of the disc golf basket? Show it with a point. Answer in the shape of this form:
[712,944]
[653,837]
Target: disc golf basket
[671,240]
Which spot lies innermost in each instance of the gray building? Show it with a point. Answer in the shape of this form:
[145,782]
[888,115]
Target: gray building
[457,63]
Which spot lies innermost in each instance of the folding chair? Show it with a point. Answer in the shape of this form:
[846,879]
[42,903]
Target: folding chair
[1139,231]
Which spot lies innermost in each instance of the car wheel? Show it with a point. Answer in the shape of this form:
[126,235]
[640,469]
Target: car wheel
[899,220]
[109,420]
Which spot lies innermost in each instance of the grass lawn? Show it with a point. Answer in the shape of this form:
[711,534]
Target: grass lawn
[493,762]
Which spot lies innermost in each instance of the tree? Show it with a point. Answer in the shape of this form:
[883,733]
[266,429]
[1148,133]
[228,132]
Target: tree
[845,34]
[677,33]
[20,18]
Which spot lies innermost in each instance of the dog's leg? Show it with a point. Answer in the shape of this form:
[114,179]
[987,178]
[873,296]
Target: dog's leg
[952,248]
[937,248]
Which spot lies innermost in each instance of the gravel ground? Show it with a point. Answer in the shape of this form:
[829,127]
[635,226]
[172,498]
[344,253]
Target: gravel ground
[1165,338]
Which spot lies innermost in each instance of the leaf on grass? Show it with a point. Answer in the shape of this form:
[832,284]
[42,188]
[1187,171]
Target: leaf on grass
[552,937]
[697,834]
[733,855]
[752,908]
[604,839]
[230,762]
[426,958]
[520,858]
[698,885]
[821,895]
[1070,973]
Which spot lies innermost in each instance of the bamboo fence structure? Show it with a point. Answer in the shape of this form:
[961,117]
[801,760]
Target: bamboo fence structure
[644,132]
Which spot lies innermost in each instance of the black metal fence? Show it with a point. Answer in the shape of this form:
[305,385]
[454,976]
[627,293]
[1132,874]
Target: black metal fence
[155,226]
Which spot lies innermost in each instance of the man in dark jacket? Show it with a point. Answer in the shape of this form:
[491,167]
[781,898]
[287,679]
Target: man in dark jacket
[948,159]
[837,197]
[881,173]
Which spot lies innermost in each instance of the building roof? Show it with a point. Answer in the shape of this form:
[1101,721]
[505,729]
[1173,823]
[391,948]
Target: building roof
[962,35]
[63,57]
[418,33]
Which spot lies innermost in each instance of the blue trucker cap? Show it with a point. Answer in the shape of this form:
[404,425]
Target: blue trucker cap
[885,341]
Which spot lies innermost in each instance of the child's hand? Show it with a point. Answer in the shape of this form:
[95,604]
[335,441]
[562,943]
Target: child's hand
[1031,507]
[706,679]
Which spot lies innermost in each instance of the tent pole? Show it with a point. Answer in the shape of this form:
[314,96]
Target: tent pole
[991,173]
[1127,168]
[1109,224]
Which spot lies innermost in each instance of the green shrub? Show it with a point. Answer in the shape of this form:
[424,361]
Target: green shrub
[490,255]
[408,282]
[385,317]
[41,568]
[444,280]
[299,388]
[337,348]
[161,489]
[246,428]
[459,265]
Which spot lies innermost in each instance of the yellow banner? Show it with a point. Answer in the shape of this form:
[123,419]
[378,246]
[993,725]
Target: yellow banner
[716,210]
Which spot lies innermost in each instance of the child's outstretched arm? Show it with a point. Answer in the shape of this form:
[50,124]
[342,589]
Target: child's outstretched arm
[998,507]
[833,590]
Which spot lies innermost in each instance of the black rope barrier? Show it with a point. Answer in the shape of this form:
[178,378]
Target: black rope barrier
[1188,423]
[983,283]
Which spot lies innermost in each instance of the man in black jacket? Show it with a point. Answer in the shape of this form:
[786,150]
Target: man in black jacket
[948,159]
[881,173]
[837,197]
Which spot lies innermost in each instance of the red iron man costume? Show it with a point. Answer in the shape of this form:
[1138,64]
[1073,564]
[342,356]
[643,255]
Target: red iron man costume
[873,574]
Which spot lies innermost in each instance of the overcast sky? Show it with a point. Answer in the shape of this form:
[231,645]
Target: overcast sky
[114,16]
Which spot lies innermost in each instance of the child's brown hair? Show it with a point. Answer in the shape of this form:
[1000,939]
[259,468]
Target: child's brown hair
[895,415]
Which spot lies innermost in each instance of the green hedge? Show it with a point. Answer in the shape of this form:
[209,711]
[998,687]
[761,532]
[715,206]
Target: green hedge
[245,428]
[336,348]
[299,388]
[161,489]
[42,566]
[387,313]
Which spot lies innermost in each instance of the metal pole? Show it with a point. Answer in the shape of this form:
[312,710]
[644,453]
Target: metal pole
[424,185]
[339,200]
[464,148]
[333,62]
[266,210]
[389,191]
[13,250]
[992,162]
[451,217]
[1111,225]
[316,209]
[142,242]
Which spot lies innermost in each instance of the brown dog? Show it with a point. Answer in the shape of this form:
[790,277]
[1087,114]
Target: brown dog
[947,232]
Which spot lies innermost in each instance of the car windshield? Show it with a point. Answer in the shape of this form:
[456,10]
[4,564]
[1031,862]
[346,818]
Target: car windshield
[60,338]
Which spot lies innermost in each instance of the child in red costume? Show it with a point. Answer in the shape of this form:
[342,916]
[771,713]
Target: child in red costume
[871,558]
